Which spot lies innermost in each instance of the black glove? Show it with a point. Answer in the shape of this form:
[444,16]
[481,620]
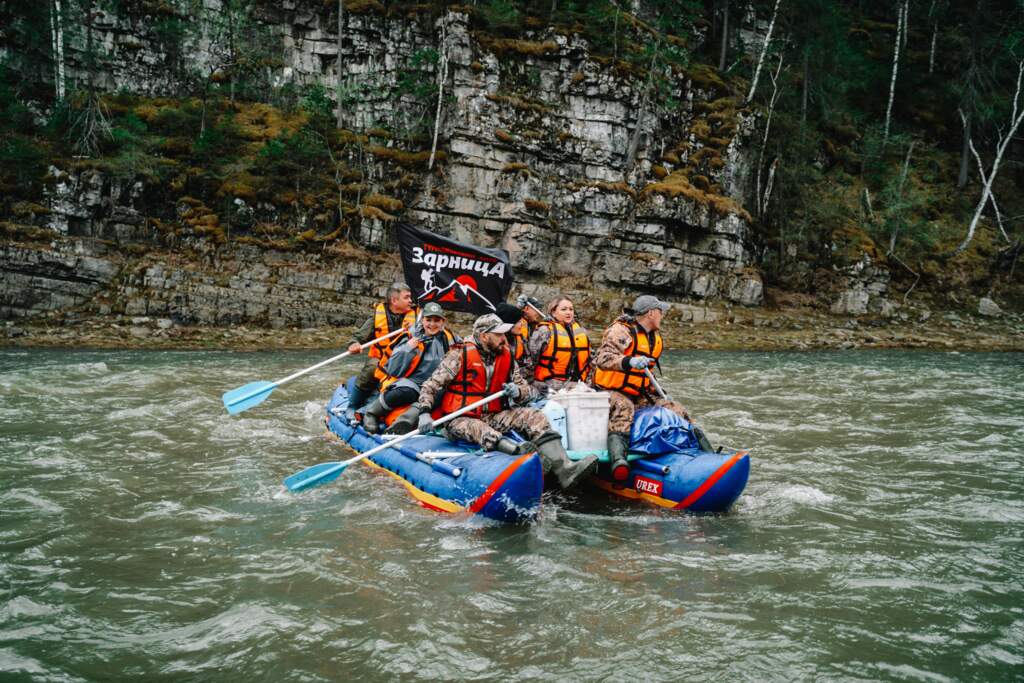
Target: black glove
[511,391]
[426,423]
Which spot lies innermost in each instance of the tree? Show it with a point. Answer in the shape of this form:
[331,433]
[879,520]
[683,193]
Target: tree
[1016,116]
[57,24]
[901,24]
[340,85]
[764,51]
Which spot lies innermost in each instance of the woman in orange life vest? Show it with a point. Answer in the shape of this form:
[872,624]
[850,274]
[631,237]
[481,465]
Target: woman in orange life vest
[632,344]
[482,366]
[414,357]
[397,310]
[559,349]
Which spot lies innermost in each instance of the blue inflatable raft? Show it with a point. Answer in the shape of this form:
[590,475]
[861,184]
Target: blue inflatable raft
[449,477]
[454,477]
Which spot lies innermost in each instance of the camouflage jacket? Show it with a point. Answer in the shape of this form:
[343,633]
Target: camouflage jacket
[611,355]
[433,388]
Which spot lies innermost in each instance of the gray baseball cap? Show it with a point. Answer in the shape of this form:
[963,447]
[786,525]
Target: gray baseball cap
[490,323]
[433,309]
[646,302]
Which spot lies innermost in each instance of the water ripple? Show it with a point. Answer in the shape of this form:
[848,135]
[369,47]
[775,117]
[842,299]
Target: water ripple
[145,532]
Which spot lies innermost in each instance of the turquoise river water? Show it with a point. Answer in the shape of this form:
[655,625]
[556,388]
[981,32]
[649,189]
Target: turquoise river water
[144,534]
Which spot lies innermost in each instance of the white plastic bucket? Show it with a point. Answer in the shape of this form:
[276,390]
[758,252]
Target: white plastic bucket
[586,419]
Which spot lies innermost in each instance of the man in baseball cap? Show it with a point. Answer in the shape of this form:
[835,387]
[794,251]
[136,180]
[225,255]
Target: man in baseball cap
[628,351]
[647,302]
[483,366]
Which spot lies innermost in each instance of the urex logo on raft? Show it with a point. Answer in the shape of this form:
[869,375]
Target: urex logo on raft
[455,260]
[645,485]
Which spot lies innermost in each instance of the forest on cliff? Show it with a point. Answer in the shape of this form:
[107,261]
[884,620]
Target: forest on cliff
[890,130]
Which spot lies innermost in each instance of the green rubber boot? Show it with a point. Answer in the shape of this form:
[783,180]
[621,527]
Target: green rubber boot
[556,460]
[618,445]
[406,422]
[373,414]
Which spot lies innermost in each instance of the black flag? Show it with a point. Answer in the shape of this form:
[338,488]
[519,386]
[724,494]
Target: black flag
[460,277]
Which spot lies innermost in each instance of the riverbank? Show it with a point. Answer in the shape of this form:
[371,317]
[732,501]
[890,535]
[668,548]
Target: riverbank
[745,329]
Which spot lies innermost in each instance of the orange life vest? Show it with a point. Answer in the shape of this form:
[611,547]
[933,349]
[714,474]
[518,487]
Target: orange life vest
[517,346]
[380,328]
[567,354]
[471,385]
[631,381]
[387,380]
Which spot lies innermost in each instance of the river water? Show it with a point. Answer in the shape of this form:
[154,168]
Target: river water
[144,534]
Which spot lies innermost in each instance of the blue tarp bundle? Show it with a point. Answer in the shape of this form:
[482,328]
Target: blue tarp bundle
[658,430]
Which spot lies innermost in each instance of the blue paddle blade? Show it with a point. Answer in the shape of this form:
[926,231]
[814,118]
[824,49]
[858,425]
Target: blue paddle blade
[315,476]
[243,398]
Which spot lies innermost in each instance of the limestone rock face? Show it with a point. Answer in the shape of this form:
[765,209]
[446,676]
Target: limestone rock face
[865,285]
[537,137]
[34,281]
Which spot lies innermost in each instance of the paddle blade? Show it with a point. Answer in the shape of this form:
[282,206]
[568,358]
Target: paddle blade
[316,475]
[243,398]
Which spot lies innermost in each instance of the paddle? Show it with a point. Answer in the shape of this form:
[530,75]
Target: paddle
[705,444]
[329,471]
[543,315]
[255,393]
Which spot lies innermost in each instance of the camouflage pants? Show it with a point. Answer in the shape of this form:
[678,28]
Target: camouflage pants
[486,430]
[365,379]
[622,407]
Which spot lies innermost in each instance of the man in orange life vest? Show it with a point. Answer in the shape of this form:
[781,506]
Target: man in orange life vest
[397,310]
[516,340]
[533,317]
[631,345]
[483,366]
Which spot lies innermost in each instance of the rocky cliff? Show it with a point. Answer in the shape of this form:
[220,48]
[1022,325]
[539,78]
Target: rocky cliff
[545,150]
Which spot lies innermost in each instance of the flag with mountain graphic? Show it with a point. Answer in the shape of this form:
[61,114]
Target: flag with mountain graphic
[460,277]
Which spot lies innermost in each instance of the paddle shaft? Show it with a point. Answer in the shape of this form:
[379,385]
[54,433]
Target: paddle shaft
[373,451]
[542,313]
[319,365]
[657,387]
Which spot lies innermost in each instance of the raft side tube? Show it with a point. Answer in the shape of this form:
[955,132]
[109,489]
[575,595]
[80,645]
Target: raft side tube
[491,484]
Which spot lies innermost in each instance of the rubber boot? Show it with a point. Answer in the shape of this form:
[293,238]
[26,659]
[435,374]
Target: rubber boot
[618,444]
[566,471]
[373,414]
[507,445]
[406,422]
[355,401]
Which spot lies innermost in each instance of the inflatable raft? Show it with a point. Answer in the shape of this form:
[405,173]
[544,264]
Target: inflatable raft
[455,477]
[446,476]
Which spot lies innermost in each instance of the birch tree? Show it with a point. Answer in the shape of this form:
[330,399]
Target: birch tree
[764,51]
[340,89]
[442,77]
[57,33]
[1016,116]
[723,52]
[901,22]
[762,204]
